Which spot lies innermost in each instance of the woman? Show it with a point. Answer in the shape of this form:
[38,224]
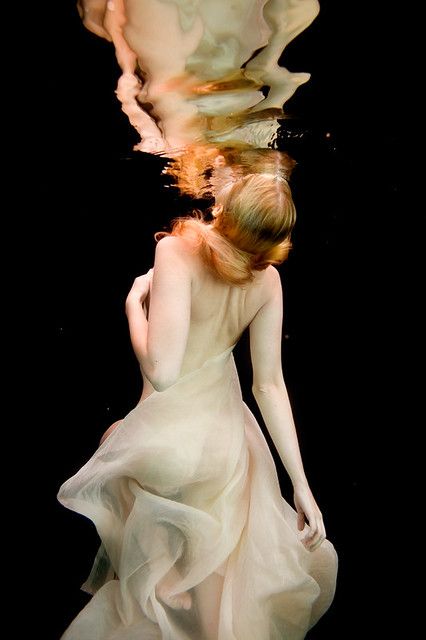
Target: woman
[197,541]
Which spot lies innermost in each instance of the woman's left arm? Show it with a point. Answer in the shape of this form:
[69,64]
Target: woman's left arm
[160,343]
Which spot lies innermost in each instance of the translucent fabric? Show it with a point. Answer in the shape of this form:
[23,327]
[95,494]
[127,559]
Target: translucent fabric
[187,482]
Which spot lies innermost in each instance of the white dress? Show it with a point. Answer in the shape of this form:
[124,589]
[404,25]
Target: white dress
[187,479]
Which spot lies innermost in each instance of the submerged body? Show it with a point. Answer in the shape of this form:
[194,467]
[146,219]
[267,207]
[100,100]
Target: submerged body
[197,541]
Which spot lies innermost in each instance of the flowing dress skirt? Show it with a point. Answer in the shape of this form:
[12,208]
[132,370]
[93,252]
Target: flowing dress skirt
[187,481]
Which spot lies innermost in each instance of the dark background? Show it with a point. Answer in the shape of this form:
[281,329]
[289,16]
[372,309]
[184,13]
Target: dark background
[95,205]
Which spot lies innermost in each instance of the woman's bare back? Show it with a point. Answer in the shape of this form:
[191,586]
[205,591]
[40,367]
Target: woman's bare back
[220,312]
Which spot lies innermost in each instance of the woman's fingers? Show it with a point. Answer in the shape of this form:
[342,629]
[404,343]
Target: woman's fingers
[317,544]
[319,539]
[308,512]
[316,534]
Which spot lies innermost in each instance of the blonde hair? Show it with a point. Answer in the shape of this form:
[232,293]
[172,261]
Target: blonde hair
[251,228]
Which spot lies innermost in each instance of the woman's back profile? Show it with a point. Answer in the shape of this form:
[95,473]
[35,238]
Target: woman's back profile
[219,311]
[196,540]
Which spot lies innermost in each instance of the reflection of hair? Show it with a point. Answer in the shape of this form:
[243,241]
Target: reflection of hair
[203,170]
[254,219]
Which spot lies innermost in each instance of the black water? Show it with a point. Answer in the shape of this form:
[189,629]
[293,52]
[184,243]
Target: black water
[92,208]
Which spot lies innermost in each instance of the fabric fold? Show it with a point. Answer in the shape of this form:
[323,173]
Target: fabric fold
[186,489]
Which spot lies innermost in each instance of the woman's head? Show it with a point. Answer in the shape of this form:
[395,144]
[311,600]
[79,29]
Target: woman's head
[257,214]
[253,215]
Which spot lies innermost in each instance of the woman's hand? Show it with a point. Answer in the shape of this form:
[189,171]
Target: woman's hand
[140,288]
[308,512]
[137,303]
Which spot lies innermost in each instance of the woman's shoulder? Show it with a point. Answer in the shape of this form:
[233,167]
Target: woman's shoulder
[266,285]
[172,244]
[270,277]
[179,251]
[274,284]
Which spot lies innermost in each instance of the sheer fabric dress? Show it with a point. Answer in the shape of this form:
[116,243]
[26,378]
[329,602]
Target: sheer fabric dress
[187,482]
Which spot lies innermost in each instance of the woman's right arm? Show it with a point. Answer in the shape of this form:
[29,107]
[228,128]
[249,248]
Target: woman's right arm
[272,399]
